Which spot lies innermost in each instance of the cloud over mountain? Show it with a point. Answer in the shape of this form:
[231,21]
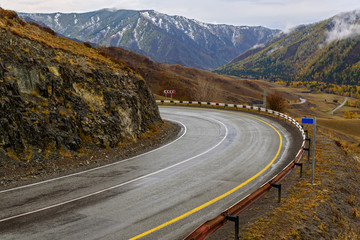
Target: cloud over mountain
[345,25]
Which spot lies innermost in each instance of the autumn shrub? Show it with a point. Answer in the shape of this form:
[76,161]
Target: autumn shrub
[22,23]
[49,30]
[44,28]
[355,213]
[8,14]
[9,23]
[34,24]
[276,102]
[87,44]
[13,156]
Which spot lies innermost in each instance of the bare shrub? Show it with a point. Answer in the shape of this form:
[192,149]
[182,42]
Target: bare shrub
[206,91]
[276,102]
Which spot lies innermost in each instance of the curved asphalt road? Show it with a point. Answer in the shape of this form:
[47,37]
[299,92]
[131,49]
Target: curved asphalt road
[164,194]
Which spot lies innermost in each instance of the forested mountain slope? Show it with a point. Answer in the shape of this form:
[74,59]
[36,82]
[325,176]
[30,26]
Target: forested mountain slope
[327,51]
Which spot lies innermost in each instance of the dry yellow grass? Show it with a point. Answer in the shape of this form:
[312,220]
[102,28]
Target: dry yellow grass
[11,22]
[346,126]
[310,211]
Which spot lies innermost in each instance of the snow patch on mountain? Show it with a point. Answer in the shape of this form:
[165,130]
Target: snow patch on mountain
[75,19]
[56,19]
[165,38]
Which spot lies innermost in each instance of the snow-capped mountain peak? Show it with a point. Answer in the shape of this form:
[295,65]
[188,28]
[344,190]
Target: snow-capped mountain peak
[164,38]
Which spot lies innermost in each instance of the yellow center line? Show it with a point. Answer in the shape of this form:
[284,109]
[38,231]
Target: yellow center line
[223,195]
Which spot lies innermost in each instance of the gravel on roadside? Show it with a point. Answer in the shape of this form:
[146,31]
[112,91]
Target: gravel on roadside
[22,174]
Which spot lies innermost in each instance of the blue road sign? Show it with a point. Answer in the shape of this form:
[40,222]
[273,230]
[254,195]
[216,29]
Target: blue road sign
[307,121]
[313,122]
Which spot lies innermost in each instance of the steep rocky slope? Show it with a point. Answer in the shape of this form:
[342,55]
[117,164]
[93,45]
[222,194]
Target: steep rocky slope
[58,96]
[163,38]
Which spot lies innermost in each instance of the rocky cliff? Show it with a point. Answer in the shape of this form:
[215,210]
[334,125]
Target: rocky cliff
[58,96]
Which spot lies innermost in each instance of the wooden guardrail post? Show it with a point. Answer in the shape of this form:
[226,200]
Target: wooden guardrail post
[278,186]
[308,148]
[234,219]
[301,167]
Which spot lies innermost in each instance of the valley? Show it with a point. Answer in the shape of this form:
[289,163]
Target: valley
[68,106]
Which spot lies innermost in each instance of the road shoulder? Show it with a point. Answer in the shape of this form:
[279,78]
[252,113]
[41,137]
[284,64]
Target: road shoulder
[327,210]
[19,174]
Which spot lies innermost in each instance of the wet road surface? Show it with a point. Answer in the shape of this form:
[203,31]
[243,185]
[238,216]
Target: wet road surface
[163,194]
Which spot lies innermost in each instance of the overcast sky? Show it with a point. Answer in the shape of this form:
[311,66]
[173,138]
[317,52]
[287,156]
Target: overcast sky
[280,14]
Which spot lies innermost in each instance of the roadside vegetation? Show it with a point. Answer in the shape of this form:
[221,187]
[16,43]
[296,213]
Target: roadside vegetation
[330,208]
[327,210]
[10,21]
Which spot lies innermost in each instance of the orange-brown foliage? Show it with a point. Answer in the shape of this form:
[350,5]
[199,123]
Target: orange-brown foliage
[48,30]
[8,14]
[186,81]
[276,101]
[10,21]
[87,44]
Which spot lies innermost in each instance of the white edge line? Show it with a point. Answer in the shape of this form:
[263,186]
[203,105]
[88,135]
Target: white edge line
[278,114]
[104,166]
[122,184]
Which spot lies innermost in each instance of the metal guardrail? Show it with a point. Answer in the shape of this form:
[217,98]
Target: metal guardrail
[209,227]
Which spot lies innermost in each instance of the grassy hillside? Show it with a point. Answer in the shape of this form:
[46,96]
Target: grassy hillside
[190,83]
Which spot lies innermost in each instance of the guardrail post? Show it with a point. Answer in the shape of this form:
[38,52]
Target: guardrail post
[278,186]
[306,132]
[301,167]
[236,220]
[308,148]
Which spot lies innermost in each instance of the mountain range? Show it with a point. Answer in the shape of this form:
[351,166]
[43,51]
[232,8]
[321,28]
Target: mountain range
[327,51]
[163,38]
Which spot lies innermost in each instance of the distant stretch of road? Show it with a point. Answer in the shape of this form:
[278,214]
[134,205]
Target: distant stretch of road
[302,101]
[218,158]
[340,106]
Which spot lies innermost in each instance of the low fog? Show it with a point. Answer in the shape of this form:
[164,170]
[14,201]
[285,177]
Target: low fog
[346,25]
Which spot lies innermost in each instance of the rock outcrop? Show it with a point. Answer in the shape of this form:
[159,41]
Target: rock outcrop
[55,100]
